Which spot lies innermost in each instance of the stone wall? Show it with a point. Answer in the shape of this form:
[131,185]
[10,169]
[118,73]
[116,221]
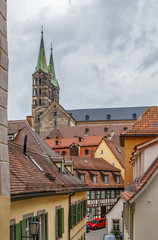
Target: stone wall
[4,160]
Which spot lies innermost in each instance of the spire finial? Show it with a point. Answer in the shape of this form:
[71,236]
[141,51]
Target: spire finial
[42,29]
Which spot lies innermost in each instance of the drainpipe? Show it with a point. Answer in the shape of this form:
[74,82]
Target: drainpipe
[72,194]
[25,144]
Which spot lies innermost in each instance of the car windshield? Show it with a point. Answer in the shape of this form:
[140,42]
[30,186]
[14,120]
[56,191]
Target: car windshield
[93,221]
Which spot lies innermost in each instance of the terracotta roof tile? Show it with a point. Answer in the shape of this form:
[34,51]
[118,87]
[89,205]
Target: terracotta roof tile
[146,125]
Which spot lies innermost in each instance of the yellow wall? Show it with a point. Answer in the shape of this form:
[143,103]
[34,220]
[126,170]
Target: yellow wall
[4,217]
[129,144]
[49,204]
[108,156]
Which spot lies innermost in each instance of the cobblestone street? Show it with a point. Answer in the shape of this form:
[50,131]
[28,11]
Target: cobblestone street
[96,234]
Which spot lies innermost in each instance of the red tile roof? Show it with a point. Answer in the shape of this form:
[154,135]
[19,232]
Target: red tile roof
[146,125]
[66,142]
[99,167]
[138,186]
[80,131]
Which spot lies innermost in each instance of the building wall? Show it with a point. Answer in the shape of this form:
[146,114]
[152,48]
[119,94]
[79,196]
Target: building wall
[81,150]
[150,155]
[146,213]
[54,117]
[108,156]
[4,164]
[129,144]
[115,214]
[49,204]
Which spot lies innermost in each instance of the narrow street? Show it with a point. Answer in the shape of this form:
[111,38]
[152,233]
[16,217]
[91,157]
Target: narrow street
[96,234]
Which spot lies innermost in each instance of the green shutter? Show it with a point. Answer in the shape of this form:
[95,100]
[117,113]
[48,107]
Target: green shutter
[100,194]
[78,212]
[115,192]
[109,193]
[105,193]
[75,214]
[90,195]
[17,231]
[90,210]
[23,227]
[81,210]
[96,194]
[60,222]
[46,225]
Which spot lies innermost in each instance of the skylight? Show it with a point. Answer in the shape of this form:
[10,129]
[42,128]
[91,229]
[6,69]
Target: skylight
[118,150]
[36,164]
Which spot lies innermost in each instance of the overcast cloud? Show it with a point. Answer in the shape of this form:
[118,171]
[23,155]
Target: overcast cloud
[105,51]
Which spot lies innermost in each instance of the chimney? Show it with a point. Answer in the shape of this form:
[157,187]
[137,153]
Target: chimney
[25,144]
[30,119]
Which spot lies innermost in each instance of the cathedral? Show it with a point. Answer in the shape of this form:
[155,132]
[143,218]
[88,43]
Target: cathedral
[48,114]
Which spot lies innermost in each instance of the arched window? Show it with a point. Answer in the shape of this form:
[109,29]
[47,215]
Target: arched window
[63,153]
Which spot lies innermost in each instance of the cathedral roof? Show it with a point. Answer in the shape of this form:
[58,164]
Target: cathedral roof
[103,114]
[52,70]
[41,63]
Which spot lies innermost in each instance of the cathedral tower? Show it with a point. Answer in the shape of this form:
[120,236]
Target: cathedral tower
[45,87]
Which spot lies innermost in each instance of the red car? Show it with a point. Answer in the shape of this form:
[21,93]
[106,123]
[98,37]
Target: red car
[97,223]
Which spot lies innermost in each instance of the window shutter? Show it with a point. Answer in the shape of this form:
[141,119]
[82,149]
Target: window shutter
[81,210]
[60,222]
[46,225]
[90,210]
[90,195]
[109,194]
[17,231]
[96,194]
[105,193]
[72,217]
[23,227]
[115,191]
[100,194]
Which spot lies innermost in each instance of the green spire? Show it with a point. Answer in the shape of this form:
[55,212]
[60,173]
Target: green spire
[51,69]
[41,63]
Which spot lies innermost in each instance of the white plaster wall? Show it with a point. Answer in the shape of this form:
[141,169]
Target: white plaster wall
[149,155]
[115,213]
[146,213]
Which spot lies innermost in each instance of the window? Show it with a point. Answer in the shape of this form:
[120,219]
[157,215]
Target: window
[12,229]
[108,116]
[86,130]
[116,225]
[42,220]
[134,115]
[55,114]
[92,194]
[117,179]
[106,180]
[59,222]
[105,129]
[40,92]
[93,211]
[39,81]
[101,152]
[112,194]
[11,137]
[63,153]
[40,102]
[86,151]
[55,123]
[87,117]
[103,194]
[94,177]
[82,177]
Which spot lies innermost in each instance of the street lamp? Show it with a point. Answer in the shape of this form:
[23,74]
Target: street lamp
[33,227]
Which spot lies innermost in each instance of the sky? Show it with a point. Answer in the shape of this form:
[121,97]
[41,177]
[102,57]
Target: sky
[105,52]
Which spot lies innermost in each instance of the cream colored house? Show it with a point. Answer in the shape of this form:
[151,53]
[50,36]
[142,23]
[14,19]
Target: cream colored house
[111,151]
[115,218]
[140,198]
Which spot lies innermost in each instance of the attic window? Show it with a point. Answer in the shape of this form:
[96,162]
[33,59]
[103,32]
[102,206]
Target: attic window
[118,150]
[125,128]
[86,152]
[36,164]
[63,153]
[86,130]
[94,178]
[87,117]
[10,137]
[82,177]
[134,115]
[108,116]
[56,142]
[80,139]
[105,129]
[39,81]
[106,180]
[55,114]
[117,178]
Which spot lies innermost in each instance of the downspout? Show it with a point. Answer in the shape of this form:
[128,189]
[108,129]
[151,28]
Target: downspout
[72,194]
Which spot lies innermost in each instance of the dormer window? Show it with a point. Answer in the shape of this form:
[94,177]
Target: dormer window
[94,178]
[108,116]
[56,142]
[86,152]
[125,128]
[87,117]
[82,177]
[86,130]
[106,180]
[134,115]
[63,153]
[117,179]
[105,129]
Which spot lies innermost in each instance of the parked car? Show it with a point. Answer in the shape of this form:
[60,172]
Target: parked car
[109,237]
[87,228]
[97,223]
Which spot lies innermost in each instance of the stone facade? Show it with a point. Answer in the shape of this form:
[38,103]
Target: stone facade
[4,160]
[54,117]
